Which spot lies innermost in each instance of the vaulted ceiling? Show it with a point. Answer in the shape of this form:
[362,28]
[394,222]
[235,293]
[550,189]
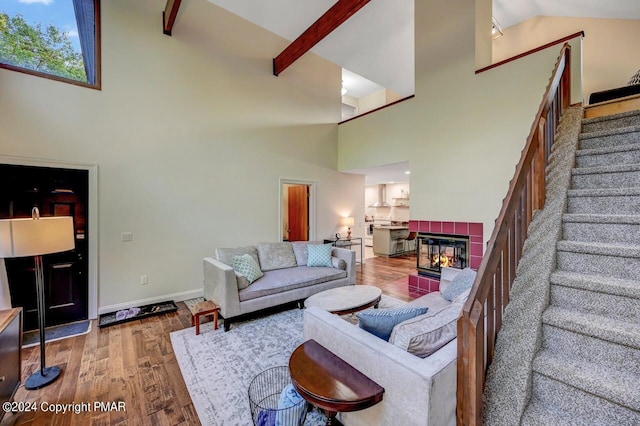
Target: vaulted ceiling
[376,41]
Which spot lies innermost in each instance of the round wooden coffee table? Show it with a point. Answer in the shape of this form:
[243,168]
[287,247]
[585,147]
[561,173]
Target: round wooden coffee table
[346,300]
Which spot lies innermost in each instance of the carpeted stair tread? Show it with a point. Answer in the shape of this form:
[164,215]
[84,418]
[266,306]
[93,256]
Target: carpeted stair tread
[612,330]
[602,249]
[610,138]
[583,408]
[605,151]
[597,283]
[604,201]
[616,154]
[615,386]
[609,132]
[604,192]
[591,349]
[540,413]
[601,228]
[623,119]
[613,306]
[610,176]
[613,168]
[601,218]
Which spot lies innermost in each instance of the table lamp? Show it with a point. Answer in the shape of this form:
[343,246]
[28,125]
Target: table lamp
[37,236]
[348,222]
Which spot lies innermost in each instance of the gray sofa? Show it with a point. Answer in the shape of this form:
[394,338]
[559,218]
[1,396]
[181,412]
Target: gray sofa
[287,278]
[418,391]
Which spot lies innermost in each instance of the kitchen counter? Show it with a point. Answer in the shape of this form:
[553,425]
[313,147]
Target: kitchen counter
[387,240]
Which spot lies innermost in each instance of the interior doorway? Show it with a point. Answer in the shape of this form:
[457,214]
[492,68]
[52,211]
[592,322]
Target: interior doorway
[297,204]
[56,192]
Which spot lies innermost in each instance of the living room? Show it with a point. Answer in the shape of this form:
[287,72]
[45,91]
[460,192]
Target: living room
[190,135]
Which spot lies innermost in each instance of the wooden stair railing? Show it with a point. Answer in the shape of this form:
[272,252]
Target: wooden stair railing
[491,290]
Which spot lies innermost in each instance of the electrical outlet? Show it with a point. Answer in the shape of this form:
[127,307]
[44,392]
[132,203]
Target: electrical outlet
[126,236]
[144,279]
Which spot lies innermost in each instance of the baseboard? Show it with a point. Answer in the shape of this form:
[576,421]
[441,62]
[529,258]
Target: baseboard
[176,297]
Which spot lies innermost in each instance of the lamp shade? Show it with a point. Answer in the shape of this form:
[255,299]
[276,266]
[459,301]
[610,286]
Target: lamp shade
[347,221]
[33,237]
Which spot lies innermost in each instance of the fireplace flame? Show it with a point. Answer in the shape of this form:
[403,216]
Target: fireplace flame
[441,259]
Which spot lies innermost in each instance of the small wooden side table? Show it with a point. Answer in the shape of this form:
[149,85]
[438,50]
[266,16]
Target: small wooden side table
[329,382]
[205,308]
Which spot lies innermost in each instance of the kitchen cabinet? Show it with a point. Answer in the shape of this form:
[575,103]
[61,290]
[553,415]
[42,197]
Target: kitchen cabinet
[10,345]
[387,240]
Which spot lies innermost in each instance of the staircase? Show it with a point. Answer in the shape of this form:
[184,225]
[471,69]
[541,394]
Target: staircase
[579,362]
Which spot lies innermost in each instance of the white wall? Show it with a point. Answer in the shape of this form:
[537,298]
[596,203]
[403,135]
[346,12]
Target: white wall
[463,133]
[191,135]
[610,47]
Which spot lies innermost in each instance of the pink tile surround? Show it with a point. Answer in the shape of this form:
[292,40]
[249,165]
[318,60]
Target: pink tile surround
[420,285]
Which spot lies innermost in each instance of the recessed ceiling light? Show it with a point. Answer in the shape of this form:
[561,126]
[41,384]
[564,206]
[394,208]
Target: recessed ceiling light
[407,172]
[391,181]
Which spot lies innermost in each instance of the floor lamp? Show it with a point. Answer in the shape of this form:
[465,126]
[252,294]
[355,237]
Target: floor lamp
[35,237]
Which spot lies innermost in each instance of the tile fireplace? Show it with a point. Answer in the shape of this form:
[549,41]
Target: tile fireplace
[436,251]
[454,243]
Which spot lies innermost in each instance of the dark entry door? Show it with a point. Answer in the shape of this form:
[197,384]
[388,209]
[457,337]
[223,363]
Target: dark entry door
[56,192]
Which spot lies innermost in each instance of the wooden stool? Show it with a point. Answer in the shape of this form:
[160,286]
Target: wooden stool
[204,309]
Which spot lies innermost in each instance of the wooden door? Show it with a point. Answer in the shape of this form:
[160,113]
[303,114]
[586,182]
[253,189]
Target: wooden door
[56,192]
[298,209]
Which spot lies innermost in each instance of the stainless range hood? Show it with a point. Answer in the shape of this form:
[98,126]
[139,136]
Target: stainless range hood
[382,195]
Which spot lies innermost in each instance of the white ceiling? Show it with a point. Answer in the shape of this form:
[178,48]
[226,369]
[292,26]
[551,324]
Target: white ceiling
[358,86]
[511,12]
[377,43]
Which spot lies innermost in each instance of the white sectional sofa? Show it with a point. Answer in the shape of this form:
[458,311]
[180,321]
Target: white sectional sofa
[418,391]
[287,278]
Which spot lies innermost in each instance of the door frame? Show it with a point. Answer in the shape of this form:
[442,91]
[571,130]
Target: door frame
[92,295]
[312,205]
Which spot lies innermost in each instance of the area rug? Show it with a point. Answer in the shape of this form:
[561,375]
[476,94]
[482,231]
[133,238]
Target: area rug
[58,332]
[218,367]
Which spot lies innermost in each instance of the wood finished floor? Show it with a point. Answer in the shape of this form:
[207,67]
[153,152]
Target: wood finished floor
[134,363]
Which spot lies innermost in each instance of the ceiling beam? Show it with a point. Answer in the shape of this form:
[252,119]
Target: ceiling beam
[169,15]
[332,19]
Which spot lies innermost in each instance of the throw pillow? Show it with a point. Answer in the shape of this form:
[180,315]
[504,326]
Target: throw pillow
[635,79]
[276,256]
[425,334]
[463,281]
[242,281]
[248,267]
[380,322]
[300,252]
[226,255]
[338,263]
[319,255]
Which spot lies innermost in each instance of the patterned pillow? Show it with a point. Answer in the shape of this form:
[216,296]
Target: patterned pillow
[635,79]
[462,282]
[319,255]
[380,322]
[425,334]
[248,267]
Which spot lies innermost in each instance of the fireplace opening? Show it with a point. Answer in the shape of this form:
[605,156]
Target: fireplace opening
[436,251]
